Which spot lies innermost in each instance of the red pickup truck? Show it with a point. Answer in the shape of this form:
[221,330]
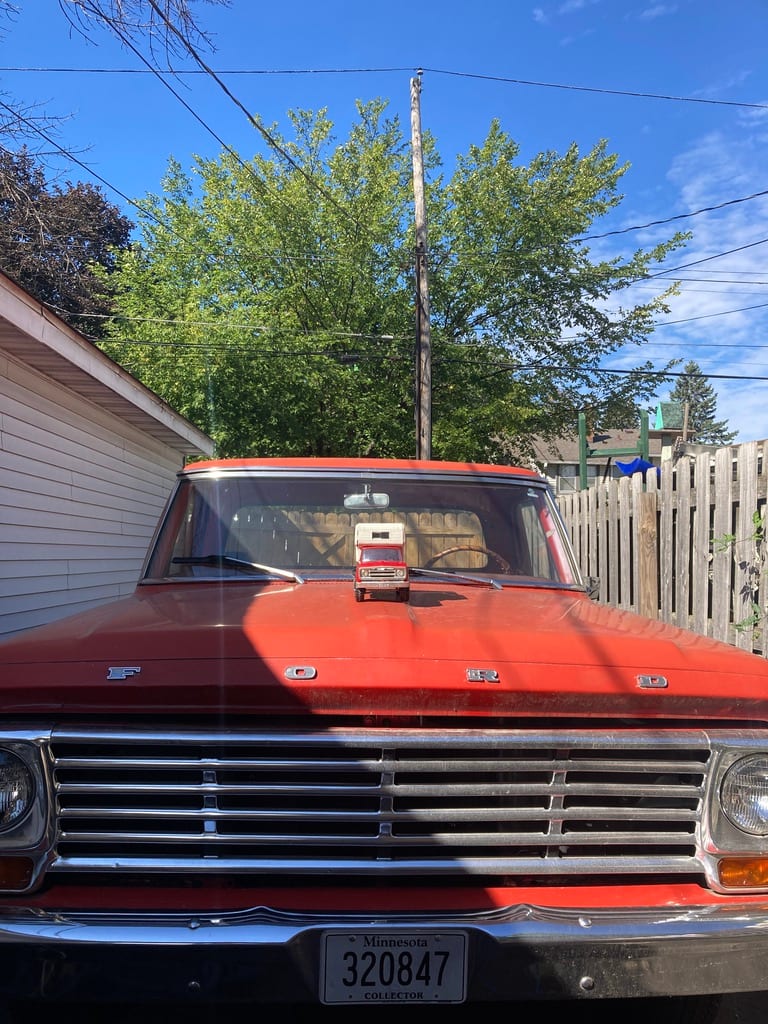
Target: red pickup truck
[240,784]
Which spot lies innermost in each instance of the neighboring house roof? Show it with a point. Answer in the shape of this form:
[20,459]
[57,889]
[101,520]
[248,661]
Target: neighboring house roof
[32,333]
[565,450]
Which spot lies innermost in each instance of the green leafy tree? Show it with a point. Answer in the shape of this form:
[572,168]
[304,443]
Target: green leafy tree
[52,238]
[693,388]
[271,300]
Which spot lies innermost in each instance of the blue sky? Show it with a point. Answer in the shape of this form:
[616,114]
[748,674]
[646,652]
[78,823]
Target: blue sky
[679,90]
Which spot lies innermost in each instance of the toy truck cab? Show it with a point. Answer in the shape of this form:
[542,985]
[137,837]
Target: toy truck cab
[380,564]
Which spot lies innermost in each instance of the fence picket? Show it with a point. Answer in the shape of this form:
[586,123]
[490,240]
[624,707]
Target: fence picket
[662,547]
[627,597]
[683,547]
[722,557]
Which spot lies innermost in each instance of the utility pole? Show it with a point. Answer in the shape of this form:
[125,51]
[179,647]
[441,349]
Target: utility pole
[423,340]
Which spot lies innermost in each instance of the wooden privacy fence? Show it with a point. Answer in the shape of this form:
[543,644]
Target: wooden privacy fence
[684,545]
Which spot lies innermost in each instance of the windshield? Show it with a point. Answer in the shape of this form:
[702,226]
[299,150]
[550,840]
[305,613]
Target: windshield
[370,554]
[306,524]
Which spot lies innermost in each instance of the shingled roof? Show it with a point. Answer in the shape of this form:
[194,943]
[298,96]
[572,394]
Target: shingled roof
[565,450]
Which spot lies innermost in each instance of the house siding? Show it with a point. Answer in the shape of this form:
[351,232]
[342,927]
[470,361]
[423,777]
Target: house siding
[80,494]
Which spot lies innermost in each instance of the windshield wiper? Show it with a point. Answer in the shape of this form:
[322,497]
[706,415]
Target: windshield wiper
[229,561]
[458,577]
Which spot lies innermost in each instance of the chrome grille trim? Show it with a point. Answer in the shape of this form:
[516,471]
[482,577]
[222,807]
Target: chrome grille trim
[370,802]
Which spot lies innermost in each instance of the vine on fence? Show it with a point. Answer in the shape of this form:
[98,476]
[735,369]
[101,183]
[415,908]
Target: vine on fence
[753,565]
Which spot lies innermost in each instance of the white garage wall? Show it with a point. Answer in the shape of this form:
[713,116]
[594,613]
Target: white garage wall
[80,493]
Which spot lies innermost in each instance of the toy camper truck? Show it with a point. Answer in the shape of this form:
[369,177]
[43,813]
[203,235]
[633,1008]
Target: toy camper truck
[380,566]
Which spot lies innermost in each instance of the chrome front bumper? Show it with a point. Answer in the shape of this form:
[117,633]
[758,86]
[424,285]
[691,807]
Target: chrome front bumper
[265,956]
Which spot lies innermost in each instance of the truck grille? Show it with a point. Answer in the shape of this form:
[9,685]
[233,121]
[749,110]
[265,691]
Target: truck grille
[368,802]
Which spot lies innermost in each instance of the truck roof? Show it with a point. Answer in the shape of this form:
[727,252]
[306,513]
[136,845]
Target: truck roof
[353,465]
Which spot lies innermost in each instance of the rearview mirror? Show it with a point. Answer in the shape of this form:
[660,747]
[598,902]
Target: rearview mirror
[366,499]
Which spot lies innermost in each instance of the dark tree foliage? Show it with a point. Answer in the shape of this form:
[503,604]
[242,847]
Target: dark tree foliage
[693,388]
[59,244]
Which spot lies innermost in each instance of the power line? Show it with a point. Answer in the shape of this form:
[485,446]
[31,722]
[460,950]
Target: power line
[185,72]
[264,329]
[670,220]
[227,325]
[379,356]
[708,316]
[721,280]
[204,70]
[146,211]
[71,156]
[74,159]
[152,70]
[702,316]
[731,270]
[728,347]
[271,141]
[589,88]
[392,70]
[705,259]
[261,328]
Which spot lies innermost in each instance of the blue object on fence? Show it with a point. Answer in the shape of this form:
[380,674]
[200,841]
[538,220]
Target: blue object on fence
[637,466]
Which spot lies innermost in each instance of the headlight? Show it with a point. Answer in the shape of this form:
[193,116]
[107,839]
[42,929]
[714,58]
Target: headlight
[744,794]
[17,789]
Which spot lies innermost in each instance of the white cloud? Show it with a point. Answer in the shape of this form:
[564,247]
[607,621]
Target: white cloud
[720,317]
[724,301]
[657,11]
[570,6]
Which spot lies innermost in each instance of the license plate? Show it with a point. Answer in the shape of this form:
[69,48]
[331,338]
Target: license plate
[393,967]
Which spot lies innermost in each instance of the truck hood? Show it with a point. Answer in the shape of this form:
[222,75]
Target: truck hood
[282,648]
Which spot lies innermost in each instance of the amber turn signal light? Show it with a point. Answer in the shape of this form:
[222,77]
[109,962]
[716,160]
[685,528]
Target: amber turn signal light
[744,872]
[15,872]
